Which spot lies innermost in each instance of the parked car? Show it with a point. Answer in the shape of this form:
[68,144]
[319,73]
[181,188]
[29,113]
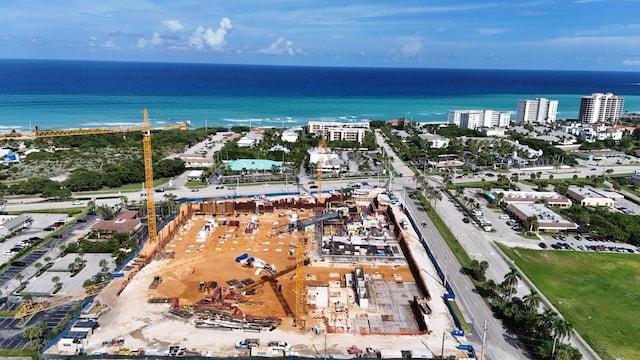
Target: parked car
[77,202]
[466,220]
[19,263]
[247,343]
[279,345]
[49,228]
[503,217]
[82,220]
[542,245]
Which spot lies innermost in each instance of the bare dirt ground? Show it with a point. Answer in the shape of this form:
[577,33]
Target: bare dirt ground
[197,259]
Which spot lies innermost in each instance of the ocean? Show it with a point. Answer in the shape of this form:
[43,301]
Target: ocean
[53,94]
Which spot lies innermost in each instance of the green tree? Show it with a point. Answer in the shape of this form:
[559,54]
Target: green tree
[532,300]
[84,179]
[106,212]
[478,269]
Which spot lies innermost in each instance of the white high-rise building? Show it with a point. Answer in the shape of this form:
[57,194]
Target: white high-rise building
[473,119]
[539,110]
[600,107]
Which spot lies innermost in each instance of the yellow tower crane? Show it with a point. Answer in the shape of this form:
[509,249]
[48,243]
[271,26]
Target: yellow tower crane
[146,150]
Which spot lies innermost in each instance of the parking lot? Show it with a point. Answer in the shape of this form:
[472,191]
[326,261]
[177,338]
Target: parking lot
[10,333]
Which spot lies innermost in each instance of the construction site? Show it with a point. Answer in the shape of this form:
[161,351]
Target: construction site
[324,277]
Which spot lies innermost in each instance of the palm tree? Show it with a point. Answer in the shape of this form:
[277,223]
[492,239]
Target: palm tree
[19,277]
[103,265]
[562,329]
[47,259]
[436,196]
[37,265]
[55,280]
[27,297]
[512,277]
[532,301]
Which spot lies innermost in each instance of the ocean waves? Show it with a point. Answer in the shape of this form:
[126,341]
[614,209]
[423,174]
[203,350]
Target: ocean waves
[223,95]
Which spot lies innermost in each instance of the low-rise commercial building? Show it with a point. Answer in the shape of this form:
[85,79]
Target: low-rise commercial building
[548,220]
[552,199]
[589,197]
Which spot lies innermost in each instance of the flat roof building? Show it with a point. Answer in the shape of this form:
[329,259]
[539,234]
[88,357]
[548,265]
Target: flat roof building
[335,131]
[539,110]
[473,119]
[600,107]
[589,197]
[553,199]
[548,220]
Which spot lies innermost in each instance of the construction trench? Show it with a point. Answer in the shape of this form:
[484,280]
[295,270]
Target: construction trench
[341,267]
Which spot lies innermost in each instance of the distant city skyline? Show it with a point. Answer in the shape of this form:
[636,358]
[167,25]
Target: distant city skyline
[539,34]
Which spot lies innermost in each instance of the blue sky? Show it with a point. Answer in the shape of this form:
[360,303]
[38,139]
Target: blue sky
[537,34]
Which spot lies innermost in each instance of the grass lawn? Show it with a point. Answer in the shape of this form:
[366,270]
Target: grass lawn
[598,293]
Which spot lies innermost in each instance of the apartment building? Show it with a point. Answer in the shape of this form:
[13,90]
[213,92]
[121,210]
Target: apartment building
[335,131]
[600,107]
[474,119]
[539,110]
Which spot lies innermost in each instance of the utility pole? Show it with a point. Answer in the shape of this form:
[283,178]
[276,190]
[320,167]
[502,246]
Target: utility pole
[484,339]
[442,349]
[553,349]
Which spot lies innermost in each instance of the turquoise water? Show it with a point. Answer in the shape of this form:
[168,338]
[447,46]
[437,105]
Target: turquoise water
[68,94]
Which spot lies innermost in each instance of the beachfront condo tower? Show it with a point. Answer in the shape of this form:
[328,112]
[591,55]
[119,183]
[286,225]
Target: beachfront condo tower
[537,111]
[600,108]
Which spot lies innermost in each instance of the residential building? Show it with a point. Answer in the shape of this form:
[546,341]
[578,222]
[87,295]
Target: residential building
[252,138]
[496,132]
[474,119]
[291,135]
[335,131]
[435,141]
[594,132]
[539,110]
[600,107]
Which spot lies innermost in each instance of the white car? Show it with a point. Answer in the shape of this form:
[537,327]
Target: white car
[78,202]
[504,217]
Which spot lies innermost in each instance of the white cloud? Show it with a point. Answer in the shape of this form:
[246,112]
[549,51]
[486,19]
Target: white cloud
[173,25]
[154,41]
[280,47]
[490,31]
[631,62]
[93,41]
[411,48]
[215,40]
[110,44]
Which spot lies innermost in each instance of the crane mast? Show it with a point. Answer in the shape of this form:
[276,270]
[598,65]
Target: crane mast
[148,179]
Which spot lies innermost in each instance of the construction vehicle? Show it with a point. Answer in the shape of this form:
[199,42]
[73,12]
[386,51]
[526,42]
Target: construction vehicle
[146,149]
[33,307]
